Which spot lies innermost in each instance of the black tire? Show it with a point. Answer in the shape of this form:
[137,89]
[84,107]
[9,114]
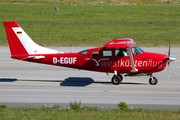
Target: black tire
[153,80]
[116,80]
[120,76]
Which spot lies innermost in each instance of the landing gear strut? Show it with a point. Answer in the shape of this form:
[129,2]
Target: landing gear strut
[153,80]
[116,79]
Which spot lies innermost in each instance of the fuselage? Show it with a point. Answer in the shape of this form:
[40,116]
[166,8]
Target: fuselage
[102,59]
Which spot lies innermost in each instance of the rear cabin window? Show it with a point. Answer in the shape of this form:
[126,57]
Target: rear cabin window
[107,53]
[95,54]
[84,52]
[120,53]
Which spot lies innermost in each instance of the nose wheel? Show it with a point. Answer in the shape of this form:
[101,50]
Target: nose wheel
[153,80]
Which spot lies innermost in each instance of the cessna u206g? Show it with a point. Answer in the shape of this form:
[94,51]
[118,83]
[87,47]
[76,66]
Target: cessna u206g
[119,56]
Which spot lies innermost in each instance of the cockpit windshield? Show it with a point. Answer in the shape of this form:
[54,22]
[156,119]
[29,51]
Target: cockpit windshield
[136,50]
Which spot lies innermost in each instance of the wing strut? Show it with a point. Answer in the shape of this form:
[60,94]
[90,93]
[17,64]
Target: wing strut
[131,59]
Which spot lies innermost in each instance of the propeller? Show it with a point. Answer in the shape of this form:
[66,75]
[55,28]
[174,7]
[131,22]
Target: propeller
[169,52]
[169,59]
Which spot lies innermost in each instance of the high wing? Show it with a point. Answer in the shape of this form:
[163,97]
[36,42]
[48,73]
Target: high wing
[121,43]
[127,43]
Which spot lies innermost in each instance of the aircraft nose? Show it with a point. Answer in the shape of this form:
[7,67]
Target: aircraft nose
[171,59]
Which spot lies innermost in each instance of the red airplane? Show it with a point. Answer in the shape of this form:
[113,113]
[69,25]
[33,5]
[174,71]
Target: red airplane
[119,56]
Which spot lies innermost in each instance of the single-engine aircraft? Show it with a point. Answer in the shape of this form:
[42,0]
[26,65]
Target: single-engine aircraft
[119,56]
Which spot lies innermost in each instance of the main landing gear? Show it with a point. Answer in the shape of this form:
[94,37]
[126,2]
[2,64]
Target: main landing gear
[117,78]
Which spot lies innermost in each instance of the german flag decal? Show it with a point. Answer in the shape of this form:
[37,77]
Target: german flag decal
[19,33]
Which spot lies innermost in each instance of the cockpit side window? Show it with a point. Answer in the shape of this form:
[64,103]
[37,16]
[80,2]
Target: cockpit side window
[107,53]
[84,52]
[120,53]
[136,50]
[95,54]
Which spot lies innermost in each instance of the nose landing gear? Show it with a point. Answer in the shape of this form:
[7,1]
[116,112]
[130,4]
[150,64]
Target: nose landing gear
[153,80]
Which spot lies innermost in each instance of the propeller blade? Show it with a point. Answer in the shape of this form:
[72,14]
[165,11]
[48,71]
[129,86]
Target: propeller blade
[168,69]
[169,51]
[169,59]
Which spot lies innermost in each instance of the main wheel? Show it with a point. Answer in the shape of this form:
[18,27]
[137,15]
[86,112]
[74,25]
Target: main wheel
[120,76]
[116,80]
[153,80]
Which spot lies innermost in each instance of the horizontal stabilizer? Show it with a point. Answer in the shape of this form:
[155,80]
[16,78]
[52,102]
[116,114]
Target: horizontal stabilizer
[33,57]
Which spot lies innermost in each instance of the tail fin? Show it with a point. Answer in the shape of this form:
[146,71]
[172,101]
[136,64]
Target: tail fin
[21,44]
[12,33]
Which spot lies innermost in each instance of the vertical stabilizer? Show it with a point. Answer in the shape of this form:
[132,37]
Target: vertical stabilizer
[15,45]
[21,44]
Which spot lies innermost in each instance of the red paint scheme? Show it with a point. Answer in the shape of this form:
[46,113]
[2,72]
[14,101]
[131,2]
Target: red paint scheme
[144,62]
[92,59]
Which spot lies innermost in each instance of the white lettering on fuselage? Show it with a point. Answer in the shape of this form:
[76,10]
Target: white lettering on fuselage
[105,62]
[127,63]
[65,60]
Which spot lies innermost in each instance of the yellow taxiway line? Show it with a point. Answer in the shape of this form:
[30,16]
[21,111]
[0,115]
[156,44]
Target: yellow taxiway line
[36,90]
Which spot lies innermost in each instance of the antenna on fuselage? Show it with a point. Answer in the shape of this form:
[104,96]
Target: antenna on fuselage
[109,37]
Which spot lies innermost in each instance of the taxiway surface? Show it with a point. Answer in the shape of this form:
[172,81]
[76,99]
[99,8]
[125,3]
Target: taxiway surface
[23,83]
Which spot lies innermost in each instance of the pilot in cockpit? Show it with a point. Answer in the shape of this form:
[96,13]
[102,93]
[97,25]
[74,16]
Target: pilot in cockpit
[120,53]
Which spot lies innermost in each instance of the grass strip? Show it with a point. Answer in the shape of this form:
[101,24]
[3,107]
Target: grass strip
[86,113]
[83,23]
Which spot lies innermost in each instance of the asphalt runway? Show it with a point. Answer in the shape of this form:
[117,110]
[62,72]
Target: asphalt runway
[32,84]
